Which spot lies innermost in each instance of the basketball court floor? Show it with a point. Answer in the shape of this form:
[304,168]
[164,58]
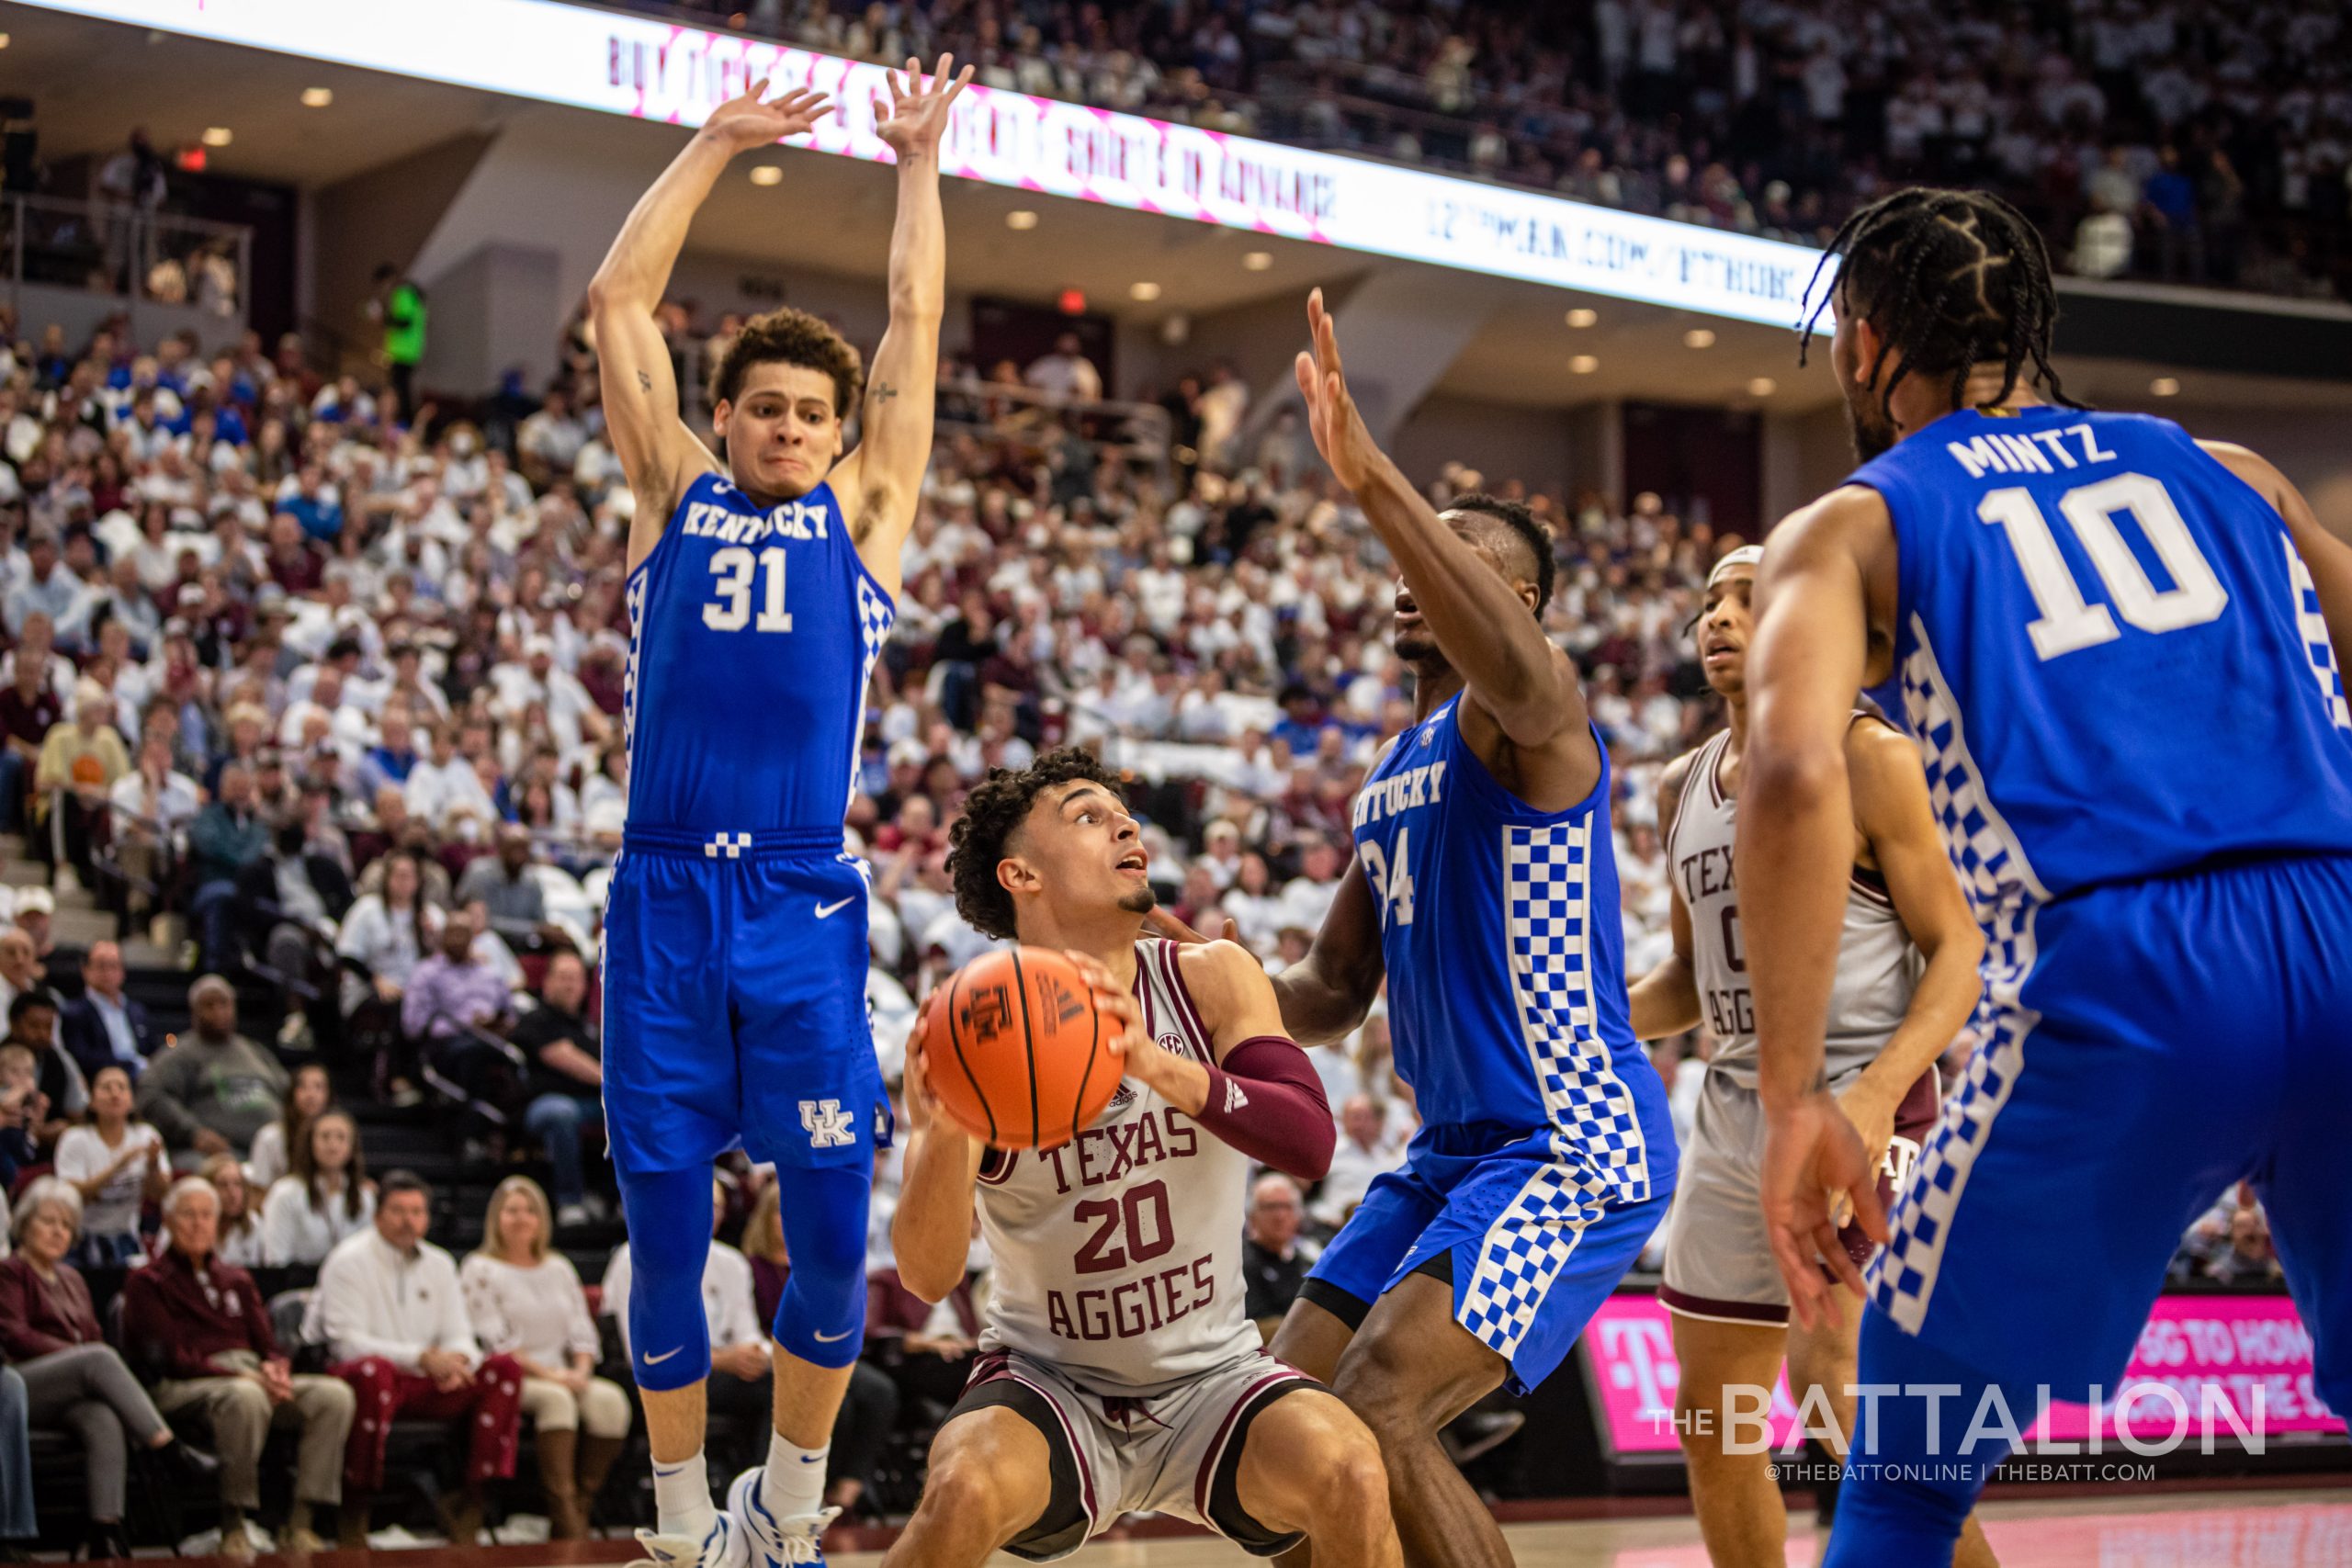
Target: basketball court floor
[2265,1527]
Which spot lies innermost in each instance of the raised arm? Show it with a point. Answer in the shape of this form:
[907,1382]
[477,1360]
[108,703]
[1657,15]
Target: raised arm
[895,422]
[657,451]
[1665,1000]
[1325,996]
[1482,622]
[1795,854]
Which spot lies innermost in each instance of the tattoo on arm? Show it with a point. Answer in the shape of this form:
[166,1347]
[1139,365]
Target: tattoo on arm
[884,392]
[644,382]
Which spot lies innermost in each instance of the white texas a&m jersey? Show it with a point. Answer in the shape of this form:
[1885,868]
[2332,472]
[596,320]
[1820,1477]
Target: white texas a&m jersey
[1118,1255]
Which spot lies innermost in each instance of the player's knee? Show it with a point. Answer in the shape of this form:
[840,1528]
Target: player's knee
[1379,1381]
[968,1486]
[1350,1482]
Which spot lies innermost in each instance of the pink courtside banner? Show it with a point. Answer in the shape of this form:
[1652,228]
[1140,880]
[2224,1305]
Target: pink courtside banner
[2229,1356]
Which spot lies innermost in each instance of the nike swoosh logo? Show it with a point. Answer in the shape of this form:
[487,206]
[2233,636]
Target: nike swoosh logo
[835,908]
[656,1360]
[833,1339]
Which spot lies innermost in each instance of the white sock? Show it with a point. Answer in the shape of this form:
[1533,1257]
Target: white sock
[681,1498]
[794,1482]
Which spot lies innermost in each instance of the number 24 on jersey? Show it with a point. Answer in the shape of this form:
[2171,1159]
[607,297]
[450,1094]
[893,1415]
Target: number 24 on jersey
[1392,883]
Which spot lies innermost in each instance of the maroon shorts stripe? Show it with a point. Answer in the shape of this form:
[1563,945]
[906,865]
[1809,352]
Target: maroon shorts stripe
[1757,1313]
[1215,1454]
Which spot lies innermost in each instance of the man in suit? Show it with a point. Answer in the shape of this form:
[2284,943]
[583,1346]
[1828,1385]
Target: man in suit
[103,1027]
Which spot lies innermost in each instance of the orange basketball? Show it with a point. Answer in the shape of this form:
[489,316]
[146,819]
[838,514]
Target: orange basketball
[1014,1052]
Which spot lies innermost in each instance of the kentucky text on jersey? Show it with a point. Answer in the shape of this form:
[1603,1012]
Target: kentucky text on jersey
[792,520]
[1385,797]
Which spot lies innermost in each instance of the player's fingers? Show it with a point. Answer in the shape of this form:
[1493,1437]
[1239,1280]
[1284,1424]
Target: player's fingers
[1789,1256]
[1232,930]
[943,74]
[1870,1210]
[758,90]
[1304,367]
[963,80]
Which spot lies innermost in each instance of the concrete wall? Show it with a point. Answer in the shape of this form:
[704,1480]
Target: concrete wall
[489,315]
[383,215]
[80,311]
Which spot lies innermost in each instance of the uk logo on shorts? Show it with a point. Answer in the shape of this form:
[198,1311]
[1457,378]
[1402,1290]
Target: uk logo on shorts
[827,1123]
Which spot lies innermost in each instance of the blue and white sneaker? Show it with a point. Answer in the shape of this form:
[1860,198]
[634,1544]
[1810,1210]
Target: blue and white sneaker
[772,1542]
[727,1546]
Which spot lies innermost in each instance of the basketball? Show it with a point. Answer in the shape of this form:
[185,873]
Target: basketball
[1016,1053]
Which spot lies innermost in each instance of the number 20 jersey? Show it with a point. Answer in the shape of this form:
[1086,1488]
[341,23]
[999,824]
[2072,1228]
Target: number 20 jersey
[753,633]
[2111,654]
[1118,1255]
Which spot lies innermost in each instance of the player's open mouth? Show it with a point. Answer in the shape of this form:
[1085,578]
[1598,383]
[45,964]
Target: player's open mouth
[1408,613]
[1715,650]
[1134,861]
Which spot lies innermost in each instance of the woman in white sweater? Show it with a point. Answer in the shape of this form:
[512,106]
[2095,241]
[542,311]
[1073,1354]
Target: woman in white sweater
[240,1233]
[527,1301]
[325,1197]
[309,1094]
[117,1164]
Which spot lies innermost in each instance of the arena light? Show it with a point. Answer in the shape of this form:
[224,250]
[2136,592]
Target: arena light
[2165,387]
[4,41]
[1257,261]
[1072,302]
[1698,337]
[1021,218]
[317,97]
[1143,292]
[1582,317]
[218,136]
[1583,365]
[767,175]
[1762,387]
[653,69]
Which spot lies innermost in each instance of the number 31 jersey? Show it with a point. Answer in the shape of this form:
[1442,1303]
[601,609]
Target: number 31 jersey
[751,633]
[2111,653]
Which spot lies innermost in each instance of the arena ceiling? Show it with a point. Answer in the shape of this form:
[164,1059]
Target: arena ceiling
[91,81]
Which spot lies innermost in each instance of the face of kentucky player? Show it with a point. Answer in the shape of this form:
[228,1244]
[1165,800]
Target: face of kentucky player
[1726,623]
[1503,552]
[1076,858]
[783,436]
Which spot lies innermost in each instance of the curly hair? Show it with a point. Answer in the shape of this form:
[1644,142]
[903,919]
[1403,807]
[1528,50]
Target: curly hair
[993,813]
[786,336]
[1535,535]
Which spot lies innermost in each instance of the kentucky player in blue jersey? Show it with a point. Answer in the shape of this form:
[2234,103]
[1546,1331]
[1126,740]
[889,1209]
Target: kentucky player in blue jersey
[2114,644]
[759,593]
[1488,896]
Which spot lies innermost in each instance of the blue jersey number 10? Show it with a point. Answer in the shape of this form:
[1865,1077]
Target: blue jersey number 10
[2065,621]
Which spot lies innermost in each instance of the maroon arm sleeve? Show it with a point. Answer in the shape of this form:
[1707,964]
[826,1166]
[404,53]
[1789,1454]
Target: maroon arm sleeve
[1267,1101]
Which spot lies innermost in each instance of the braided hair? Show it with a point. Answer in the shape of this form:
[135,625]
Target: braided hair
[1951,279]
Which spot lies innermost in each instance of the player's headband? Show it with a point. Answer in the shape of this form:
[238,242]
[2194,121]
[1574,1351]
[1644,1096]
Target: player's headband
[1746,555]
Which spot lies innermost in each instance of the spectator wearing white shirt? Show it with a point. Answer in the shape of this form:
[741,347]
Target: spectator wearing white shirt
[390,1311]
[527,1301]
[1067,373]
[309,1095]
[443,788]
[117,1163]
[1305,898]
[46,589]
[325,1197]
[1363,1152]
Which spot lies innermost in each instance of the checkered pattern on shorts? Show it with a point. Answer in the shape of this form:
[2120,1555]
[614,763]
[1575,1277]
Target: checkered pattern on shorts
[1524,1251]
[874,618]
[636,602]
[2312,627]
[2006,896]
[1547,891]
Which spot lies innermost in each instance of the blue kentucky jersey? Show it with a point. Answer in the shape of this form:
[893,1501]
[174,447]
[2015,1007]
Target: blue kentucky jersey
[2111,654]
[753,632]
[1501,930]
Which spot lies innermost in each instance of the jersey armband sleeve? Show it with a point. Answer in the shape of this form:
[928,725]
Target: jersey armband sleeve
[1267,1101]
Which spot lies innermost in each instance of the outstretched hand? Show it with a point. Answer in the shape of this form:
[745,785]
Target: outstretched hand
[1339,430]
[1162,921]
[914,117]
[748,121]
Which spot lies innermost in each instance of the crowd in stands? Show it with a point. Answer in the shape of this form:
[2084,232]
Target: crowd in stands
[2185,139]
[326,697]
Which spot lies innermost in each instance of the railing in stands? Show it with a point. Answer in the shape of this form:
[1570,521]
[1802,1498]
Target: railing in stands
[106,248]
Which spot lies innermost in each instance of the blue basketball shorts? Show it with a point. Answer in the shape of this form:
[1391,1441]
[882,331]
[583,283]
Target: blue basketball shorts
[2142,1047]
[1535,1241]
[734,976]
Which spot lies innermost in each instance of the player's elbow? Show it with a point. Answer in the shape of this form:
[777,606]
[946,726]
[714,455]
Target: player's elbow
[611,292]
[1314,1161]
[1789,772]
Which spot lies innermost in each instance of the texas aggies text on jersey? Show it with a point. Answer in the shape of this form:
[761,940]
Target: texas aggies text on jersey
[1118,1255]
